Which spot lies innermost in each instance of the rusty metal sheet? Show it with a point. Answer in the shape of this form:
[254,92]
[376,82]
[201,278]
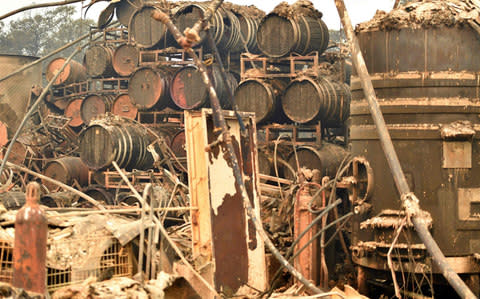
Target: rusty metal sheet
[237,252]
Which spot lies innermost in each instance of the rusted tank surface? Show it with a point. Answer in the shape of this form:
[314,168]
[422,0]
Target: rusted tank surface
[189,91]
[326,158]
[144,30]
[308,100]
[30,247]
[263,97]
[125,59]
[15,91]
[73,112]
[112,139]
[430,103]
[278,35]
[67,170]
[148,88]
[125,9]
[74,72]
[94,105]
[123,106]
[18,154]
[98,61]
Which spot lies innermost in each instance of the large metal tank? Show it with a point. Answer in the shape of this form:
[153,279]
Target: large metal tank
[427,83]
[15,91]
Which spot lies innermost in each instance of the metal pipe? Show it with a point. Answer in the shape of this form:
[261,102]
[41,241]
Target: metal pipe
[221,128]
[33,6]
[409,201]
[33,108]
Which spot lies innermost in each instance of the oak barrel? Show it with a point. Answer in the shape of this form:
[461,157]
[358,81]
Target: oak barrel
[66,170]
[308,100]
[72,73]
[94,105]
[189,91]
[278,36]
[72,111]
[144,30]
[148,88]
[112,139]
[125,59]
[98,61]
[262,97]
[123,106]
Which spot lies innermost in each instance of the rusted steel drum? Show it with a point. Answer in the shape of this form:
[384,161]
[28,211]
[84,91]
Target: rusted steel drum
[125,9]
[148,88]
[98,61]
[326,159]
[189,91]
[74,72]
[3,134]
[94,105]
[67,170]
[262,97]
[144,30]
[106,140]
[125,59]
[12,200]
[99,193]
[308,100]
[278,36]
[420,96]
[123,106]
[73,112]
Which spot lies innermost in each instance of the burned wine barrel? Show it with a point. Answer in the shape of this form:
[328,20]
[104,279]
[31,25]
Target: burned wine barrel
[72,73]
[59,199]
[144,30]
[278,35]
[178,148]
[308,100]
[98,61]
[94,105]
[67,170]
[12,200]
[125,9]
[123,106]
[262,97]
[72,111]
[125,59]
[99,193]
[326,158]
[189,91]
[148,88]
[108,140]
[225,26]
[248,30]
